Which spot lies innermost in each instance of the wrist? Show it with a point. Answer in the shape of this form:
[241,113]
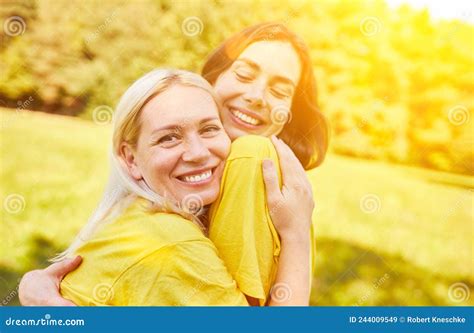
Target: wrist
[300,239]
[298,232]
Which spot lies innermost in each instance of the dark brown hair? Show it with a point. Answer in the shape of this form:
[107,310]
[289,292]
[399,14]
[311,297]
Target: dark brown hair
[307,133]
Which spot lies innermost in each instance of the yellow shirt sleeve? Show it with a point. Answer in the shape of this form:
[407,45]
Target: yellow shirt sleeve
[241,227]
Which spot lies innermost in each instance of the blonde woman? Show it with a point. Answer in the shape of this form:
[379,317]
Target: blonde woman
[143,246]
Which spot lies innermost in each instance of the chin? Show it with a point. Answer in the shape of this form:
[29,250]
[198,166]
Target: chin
[202,197]
[210,194]
[235,133]
[209,198]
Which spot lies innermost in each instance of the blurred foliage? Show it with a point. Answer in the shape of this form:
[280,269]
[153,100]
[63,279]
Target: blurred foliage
[395,84]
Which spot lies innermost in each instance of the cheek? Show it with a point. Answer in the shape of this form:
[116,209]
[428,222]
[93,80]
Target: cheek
[159,168]
[221,147]
[279,115]
[226,87]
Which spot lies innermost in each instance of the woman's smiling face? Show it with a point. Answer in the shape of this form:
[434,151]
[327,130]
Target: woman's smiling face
[258,88]
[181,147]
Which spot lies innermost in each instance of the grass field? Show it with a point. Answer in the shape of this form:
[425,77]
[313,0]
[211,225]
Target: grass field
[386,235]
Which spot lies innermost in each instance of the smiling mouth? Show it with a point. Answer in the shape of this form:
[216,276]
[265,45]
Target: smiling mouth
[197,178]
[244,118]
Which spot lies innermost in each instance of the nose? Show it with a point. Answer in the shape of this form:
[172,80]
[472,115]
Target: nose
[255,96]
[196,151]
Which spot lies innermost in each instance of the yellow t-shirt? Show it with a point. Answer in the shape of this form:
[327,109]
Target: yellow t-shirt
[240,224]
[145,258]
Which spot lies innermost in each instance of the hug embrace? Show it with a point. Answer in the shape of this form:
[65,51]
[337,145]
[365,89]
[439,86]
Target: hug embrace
[207,201]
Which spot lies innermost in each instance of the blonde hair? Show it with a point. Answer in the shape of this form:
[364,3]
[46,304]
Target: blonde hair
[122,189]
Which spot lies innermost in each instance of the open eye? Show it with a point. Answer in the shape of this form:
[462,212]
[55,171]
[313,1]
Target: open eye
[168,140]
[210,129]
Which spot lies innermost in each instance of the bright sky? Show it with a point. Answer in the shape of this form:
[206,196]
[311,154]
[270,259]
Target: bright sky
[442,9]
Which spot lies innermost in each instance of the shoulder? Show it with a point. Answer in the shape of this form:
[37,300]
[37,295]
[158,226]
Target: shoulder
[251,146]
[141,221]
[137,233]
[137,241]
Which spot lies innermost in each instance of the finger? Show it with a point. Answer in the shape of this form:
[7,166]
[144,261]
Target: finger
[298,173]
[290,167]
[283,158]
[270,177]
[291,156]
[61,268]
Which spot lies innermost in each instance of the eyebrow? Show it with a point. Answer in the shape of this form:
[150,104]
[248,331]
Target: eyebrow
[256,67]
[178,127]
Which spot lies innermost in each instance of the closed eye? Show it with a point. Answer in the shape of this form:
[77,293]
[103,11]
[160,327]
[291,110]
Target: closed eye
[280,93]
[244,77]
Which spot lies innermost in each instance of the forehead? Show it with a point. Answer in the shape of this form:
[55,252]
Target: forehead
[178,105]
[275,58]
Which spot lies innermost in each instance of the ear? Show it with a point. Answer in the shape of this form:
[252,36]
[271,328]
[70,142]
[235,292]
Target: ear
[128,155]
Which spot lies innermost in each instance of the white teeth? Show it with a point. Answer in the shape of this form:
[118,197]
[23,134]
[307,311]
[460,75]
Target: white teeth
[245,118]
[197,178]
